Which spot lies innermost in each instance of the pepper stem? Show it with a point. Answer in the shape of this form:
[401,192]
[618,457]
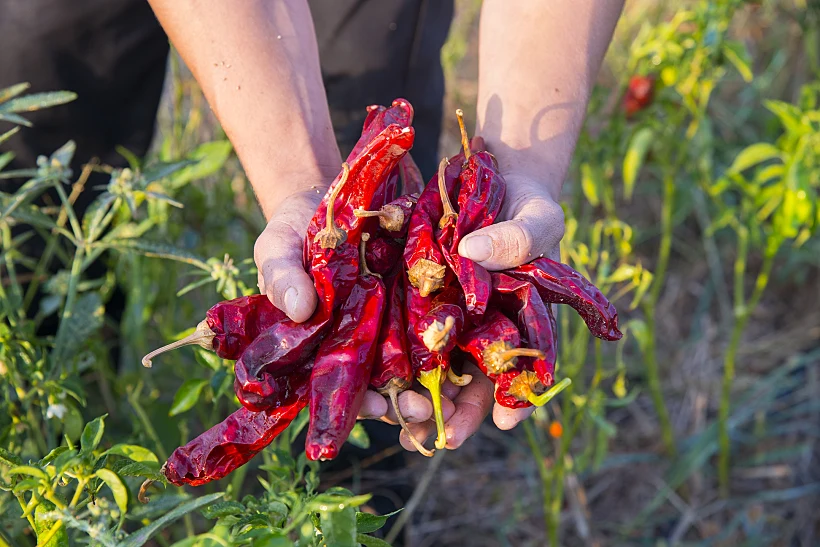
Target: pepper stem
[511,354]
[391,217]
[437,335]
[393,392]
[143,493]
[457,380]
[449,211]
[544,398]
[331,236]
[432,380]
[202,336]
[465,141]
[363,269]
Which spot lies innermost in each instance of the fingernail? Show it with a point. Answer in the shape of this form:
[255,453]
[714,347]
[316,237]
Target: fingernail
[291,301]
[478,248]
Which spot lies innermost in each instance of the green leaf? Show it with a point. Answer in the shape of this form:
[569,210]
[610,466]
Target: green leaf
[114,482]
[12,91]
[634,159]
[29,470]
[589,185]
[53,454]
[624,272]
[223,509]
[37,101]
[358,437]
[141,536]
[753,155]
[336,502]
[162,170]
[8,134]
[149,470]
[370,541]
[735,53]
[5,159]
[211,157]
[92,435]
[14,118]
[159,250]
[133,452]
[339,527]
[76,328]
[9,459]
[187,395]
[367,523]
[788,114]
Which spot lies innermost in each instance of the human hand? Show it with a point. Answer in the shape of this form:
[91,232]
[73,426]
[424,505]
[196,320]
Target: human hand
[531,224]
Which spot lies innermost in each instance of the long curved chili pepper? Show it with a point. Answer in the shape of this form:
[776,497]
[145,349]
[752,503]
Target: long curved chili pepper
[378,119]
[494,345]
[392,372]
[233,442]
[560,284]
[412,181]
[229,327]
[480,197]
[272,389]
[520,300]
[343,365]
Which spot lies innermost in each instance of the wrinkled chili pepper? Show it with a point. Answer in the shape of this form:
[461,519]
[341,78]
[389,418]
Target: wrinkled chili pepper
[412,181]
[378,119]
[521,388]
[343,365]
[520,300]
[392,372]
[639,94]
[560,284]
[480,196]
[494,345]
[384,255]
[440,327]
[232,443]
[229,327]
[394,217]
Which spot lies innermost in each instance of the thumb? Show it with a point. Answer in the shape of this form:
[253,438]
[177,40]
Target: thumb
[535,230]
[282,276]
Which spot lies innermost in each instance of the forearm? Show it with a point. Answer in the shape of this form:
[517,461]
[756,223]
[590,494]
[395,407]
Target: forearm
[538,60]
[258,64]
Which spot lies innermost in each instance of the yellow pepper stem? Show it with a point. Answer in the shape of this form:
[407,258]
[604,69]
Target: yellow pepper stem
[432,380]
[544,398]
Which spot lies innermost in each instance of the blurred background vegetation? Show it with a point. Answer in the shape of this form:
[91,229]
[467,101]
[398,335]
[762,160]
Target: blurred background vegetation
[697,213]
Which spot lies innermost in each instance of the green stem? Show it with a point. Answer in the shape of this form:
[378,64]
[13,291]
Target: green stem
[133,399]
[535,447]
[68,309]
[742,314]
[43,540]
[69,210]
[23,505]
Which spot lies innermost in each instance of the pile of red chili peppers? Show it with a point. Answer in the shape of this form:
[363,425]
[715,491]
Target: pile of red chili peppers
[397,304]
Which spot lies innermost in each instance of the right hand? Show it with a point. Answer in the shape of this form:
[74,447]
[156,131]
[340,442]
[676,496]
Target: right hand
[278,255]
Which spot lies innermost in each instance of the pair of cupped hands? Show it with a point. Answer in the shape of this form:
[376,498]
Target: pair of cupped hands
[530,225]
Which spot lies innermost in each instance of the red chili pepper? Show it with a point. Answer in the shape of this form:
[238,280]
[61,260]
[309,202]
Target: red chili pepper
[520,300]
[481,194]
[394,217]
[412,181]
[392,372]
[343,365]
[384,255]
[440,327]
[232,443]
[522,388]
[378,119]
[494,345]
[559,284]
[229,327]
[639,94]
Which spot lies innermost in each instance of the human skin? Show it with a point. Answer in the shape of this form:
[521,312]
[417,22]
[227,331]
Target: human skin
[258,65]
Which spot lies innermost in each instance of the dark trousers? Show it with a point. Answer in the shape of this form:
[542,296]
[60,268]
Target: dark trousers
[113,53]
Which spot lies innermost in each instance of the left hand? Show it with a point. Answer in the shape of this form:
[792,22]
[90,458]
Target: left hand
[531,224]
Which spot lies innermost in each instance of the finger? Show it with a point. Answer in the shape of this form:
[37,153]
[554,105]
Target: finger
[507,418]
[413,406]
[472,406]
[449,389]
[278,255]
[534,231]
[374,406]
[422,431]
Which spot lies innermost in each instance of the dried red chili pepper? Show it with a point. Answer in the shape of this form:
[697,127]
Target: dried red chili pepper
[378,119]
[440,327]
[233,442]
[480,197]
[392,372]
[639,94]
[560,284]
[522,388]
[520,300]
[343,365]
[494,345]
[384,255]
[394,217]
[412,181]
[229,327]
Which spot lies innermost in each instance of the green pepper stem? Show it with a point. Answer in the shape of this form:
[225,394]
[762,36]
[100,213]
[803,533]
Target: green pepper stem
[449,211]
[465,141]
[331,236]
[432,380]
[203,336]
[544,398]
[459,380]
[393,392]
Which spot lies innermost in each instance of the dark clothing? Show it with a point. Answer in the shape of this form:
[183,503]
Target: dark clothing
[113,53]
